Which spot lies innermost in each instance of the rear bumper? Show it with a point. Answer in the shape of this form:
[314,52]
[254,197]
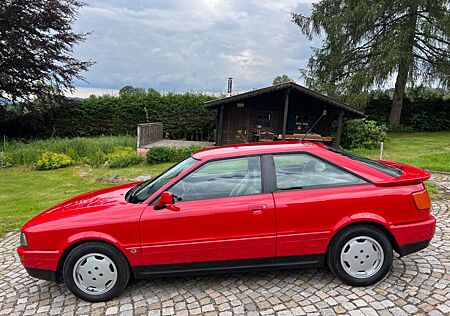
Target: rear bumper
[411,248]
[413,237]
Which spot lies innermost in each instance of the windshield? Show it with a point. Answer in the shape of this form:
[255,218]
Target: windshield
[369,162]
[142,191]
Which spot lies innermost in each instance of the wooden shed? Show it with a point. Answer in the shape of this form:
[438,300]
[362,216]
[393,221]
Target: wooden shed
[280,112]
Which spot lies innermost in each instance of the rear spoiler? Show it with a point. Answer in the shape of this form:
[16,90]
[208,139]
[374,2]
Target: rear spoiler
[411,175]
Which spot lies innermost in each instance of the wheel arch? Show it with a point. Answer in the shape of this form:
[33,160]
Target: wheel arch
[374,223]
[74,244]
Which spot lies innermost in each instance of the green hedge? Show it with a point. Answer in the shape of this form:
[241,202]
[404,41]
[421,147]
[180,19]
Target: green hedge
[420,111]
[183,116]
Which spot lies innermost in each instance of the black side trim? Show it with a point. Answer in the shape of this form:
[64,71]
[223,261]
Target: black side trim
[48,275]
[305,261]
[414,247]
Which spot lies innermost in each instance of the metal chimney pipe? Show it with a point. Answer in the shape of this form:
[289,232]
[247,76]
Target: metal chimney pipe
[230,86]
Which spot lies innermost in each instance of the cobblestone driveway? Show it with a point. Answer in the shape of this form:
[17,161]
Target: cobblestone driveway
[418,284]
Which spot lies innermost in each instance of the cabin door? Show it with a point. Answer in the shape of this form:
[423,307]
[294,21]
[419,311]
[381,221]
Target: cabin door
[239,125]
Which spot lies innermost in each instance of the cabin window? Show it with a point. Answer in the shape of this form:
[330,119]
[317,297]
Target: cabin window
[301,121]
[264,119]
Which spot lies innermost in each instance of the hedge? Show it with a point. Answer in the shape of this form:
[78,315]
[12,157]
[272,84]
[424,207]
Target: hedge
[419,112]
[183,117]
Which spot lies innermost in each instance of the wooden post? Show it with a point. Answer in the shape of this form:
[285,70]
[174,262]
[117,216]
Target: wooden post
[339,129]
[220,127]
[138,136]
[285,114]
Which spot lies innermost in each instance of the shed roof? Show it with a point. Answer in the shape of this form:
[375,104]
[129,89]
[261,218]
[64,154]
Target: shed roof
[281,86]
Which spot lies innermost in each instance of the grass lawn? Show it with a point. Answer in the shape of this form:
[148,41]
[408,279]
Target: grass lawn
[25,192]
[427,150]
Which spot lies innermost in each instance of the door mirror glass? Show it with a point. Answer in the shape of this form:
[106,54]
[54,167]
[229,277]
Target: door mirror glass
[165,201]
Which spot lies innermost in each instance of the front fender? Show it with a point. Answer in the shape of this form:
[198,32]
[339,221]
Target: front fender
[131,252]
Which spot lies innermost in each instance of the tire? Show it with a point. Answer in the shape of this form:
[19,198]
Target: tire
[360,255]
[96,272]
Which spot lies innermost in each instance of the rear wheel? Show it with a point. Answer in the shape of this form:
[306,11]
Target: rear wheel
[360,255]
[96,272]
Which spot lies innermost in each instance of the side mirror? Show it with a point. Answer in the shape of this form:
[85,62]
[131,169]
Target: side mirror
[166,201]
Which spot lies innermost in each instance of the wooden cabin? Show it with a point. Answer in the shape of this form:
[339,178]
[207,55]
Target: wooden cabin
[285,111]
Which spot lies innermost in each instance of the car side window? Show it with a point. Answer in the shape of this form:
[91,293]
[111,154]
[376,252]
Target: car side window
[298,171]
[221,178]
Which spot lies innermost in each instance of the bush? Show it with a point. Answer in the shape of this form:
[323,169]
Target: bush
[122,157]
[50,160]
[170,154]
[363,133]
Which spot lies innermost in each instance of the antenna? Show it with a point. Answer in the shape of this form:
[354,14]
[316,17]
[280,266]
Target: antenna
[314,125]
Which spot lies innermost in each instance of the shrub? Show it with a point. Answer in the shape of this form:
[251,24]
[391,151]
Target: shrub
[50,160]
[170,154]
[363,133]
[122,157]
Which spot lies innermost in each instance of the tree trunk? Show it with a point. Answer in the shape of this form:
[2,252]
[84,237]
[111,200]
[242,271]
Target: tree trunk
[403,70]
[399,93]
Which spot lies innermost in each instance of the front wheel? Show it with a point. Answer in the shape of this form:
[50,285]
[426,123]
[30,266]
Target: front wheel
[96,272]
[360,255]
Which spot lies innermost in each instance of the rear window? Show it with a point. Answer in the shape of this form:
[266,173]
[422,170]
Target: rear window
[369,162]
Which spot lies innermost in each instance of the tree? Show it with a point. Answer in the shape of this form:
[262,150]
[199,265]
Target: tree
[131,91]
[368,42]
[281,79]
[36,45]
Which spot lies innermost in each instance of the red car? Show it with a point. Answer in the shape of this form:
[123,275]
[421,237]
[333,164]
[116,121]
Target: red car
[271,205]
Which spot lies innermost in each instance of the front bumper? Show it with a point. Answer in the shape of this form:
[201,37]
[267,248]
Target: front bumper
[39,259]
[48,275]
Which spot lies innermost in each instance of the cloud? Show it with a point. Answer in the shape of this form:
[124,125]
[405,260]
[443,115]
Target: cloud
[191,45]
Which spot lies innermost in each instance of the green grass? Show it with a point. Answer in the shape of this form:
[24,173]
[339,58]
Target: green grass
[25,192]
[427,150]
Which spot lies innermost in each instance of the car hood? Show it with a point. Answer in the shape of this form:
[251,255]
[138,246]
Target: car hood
[100,199]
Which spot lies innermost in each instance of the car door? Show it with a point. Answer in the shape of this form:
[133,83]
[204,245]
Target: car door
[311,196]
[223,214]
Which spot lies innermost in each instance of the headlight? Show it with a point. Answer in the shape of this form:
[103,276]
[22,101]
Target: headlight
[23,240]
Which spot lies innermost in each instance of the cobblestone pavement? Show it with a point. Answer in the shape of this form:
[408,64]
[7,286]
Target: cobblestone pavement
[417,284]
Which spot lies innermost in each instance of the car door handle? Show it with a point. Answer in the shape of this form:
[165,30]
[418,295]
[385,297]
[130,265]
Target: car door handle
[257,209]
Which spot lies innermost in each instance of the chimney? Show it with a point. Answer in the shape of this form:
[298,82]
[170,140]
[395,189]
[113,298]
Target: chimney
[230,86]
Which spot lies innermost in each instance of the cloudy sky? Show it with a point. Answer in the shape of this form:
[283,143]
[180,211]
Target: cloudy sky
[190,45]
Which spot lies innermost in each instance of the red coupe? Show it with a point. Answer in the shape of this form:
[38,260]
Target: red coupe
[271,205]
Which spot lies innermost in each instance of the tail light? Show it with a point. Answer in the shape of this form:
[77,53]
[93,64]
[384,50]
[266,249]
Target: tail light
[422,200]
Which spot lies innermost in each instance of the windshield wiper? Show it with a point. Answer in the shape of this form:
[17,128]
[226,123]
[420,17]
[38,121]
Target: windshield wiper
[129,196]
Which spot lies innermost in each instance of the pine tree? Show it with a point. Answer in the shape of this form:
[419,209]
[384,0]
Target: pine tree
[368,42]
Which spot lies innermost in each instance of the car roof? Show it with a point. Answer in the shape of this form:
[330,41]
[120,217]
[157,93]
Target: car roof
[254,149]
